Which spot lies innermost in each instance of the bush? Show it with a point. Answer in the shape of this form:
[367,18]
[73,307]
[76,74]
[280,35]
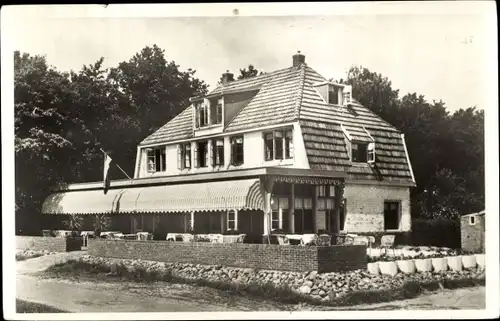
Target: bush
[437,232]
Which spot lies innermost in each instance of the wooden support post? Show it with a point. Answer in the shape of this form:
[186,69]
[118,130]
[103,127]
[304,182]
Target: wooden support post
[191,221]
[268,187]
[291,209]
[339,195]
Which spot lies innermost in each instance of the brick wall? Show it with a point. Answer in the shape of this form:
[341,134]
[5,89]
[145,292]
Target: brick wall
[472,236]
[365,207]
[53,244]
[258,256]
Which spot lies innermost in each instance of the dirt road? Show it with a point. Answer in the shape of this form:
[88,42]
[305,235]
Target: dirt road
[90,296]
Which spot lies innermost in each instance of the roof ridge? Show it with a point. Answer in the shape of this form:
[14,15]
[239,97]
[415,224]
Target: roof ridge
[300,92]
[239,81]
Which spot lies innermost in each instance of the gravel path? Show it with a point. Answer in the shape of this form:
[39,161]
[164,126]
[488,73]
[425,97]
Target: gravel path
[77,295]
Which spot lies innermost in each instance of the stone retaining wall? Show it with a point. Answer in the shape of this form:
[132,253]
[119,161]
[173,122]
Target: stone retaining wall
[51,244]
[256,256]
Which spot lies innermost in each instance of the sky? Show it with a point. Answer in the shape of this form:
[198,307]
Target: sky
[440,54]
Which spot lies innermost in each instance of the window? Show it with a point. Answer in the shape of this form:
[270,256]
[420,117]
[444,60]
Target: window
[201,154]
[277,143]
[472,220]
[325,190]
[184,156]
[218,119]
[333,95]
[391,215]
[156,159]
[359,152]
[269,143]
[278,206]
[237,150]
[202,117]
[232,220]
[218,152]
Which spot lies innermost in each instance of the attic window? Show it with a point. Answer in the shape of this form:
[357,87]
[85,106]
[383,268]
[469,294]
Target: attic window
[472,220]
[333,94]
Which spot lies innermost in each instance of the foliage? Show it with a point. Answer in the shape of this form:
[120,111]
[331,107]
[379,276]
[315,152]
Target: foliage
[247,73]
[101,223]
[446,150]
[63,119]
[74,222]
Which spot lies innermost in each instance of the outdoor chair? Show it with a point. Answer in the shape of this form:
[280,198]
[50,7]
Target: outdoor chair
[241,238]
[282,239]
[216,238]
[144,236]
[387,242]
[324,240]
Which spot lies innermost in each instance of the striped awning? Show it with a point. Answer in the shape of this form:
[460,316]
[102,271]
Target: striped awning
[209,196]
[81,202]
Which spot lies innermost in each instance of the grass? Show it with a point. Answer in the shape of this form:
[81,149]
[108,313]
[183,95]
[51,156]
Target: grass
[279,293]
[31,307]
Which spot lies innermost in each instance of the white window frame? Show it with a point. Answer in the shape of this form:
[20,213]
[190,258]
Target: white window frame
[472,220]
[151,155]
[235,220]
[283,139]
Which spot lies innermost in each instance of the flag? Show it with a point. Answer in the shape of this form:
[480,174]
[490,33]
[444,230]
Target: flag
[107,163]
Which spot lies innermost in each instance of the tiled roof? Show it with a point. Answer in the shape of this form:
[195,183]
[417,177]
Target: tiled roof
[276,102]
[180,127]
[288,95]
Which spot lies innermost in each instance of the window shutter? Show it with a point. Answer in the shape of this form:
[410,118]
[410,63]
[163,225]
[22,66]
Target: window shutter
[208,153]
[233,152]
[196,160]
[347,93]
[213,148]
[179,157]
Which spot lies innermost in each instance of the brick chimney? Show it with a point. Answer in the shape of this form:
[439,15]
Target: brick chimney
[227,77]
[298,59]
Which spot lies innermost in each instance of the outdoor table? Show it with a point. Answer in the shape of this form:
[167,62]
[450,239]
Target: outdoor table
[109,233]
[230,238]
[309,239]
[295,239]
[174,236]
[88,233]
[63,233]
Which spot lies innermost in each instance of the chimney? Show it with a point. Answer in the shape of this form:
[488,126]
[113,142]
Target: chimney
[298,59]
[227,77]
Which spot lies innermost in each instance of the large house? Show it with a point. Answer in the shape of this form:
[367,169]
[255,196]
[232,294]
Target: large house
[283,150]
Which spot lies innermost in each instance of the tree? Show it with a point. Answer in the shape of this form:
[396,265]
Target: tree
[63,119]
[244,73]
[446,151]
[373,90]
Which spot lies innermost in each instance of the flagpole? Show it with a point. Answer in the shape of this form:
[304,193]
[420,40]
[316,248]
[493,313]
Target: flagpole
[117,166]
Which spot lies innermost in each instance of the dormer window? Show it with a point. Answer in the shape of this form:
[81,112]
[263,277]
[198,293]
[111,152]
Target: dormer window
[334,93]
[208,112]
[362,152]
[202,114]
